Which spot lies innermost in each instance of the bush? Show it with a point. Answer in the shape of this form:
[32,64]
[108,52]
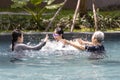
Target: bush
[104,22]
[23,22]
[26,22]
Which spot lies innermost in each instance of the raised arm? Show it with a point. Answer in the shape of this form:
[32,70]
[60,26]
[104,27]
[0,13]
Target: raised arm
[74,44]
[26,47]
[84,42]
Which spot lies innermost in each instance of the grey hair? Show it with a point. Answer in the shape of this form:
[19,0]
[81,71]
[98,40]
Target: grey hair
[99,36]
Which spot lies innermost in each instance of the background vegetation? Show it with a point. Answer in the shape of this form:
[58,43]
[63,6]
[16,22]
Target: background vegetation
[37,19]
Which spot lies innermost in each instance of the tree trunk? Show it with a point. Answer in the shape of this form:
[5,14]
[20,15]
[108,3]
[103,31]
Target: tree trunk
[53,18]
[83,8]
[75,15]
[95,16]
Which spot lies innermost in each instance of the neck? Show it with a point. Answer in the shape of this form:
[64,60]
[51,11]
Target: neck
[19,41]
[59,38]
[97,43]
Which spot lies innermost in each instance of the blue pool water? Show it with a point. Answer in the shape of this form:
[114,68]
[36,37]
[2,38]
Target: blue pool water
[55,63]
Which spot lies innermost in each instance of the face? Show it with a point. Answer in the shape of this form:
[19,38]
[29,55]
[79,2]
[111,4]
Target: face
[94,40]
[57,36]
[20,39]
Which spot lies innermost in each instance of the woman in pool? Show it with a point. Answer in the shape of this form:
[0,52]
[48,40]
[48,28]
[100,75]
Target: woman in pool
[95,46]
[18,47]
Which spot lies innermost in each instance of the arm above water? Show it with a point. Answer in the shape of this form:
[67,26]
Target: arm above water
[37,47]
[26,47]
[74,44]
[78,46]
[84,42]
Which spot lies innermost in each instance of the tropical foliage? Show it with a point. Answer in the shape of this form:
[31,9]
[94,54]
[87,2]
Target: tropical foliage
[26,22]
[39,17]
[37,12]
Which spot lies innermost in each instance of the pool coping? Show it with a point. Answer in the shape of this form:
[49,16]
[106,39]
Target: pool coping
[72,35]
[8,33]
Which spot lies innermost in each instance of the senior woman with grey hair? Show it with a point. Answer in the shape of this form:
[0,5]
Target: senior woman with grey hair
[95,47]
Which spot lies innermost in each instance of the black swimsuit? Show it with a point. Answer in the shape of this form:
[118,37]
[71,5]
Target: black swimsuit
[97,52]
[98,48]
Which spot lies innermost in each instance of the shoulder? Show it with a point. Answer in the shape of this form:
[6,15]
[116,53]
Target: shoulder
[20,46]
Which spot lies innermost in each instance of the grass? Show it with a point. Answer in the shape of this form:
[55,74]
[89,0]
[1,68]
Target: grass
[112,30]
[92,30]
[115,13]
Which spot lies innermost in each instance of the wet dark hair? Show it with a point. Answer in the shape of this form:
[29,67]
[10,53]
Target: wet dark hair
[59,31]
[15,34]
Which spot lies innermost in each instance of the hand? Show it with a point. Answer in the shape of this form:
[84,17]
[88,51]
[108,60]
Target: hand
[80,41]
[46,38]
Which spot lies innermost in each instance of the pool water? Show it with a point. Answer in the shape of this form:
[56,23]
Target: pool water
[55,63]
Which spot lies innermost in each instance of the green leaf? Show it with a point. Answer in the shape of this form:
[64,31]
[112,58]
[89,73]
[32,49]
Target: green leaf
[55,6]
[36,2]
[50,2]
[19,3]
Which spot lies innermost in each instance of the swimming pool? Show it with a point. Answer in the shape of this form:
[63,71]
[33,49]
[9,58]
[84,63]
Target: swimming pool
[61,64]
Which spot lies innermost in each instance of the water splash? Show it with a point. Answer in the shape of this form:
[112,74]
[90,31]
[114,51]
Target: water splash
[51,49]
